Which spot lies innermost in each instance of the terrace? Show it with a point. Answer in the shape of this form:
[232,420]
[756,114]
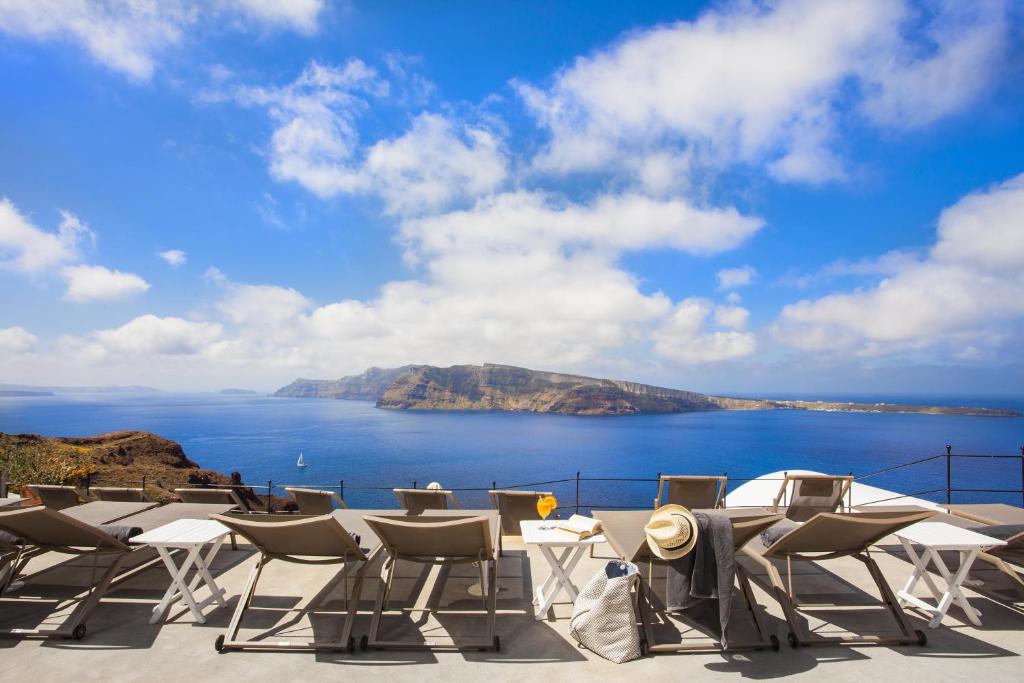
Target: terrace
[122,644]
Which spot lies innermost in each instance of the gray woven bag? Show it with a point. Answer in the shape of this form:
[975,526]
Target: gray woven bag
[603,620]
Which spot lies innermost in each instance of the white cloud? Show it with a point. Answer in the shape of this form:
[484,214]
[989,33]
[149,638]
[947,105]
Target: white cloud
[96,283]
[127,35]
[150,334]
[759,83]
[173,257]
[958,294]
[731,278]
[16,340]
[316,143]
[684,337]
[28,249]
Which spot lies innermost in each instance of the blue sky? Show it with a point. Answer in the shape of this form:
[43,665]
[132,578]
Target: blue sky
[734,197]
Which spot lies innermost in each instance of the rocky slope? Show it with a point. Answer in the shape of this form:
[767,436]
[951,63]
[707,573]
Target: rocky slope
[107,459]
[504,387]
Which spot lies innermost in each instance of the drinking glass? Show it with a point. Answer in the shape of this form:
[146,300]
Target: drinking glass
[545,504]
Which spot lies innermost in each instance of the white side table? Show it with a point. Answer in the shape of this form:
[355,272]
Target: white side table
[935,537]
[558,581]
[189,535]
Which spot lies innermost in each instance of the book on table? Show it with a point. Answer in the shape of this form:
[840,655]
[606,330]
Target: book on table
[582,527]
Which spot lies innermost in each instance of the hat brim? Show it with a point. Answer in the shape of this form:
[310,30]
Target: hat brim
[681,551]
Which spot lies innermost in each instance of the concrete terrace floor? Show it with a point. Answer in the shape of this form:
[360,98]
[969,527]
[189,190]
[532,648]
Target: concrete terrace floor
[121,645]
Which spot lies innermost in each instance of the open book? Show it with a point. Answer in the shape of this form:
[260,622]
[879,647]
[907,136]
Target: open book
[582,527]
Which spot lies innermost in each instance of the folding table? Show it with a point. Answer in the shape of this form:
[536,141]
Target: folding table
[190,535]
[935,537]
[547,537]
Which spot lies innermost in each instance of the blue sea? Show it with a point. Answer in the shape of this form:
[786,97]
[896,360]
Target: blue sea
[373,450]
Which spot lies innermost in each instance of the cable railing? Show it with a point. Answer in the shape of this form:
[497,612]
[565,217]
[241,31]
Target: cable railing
[573,493]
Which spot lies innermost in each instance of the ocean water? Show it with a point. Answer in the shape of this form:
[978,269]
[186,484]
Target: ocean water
[373,450]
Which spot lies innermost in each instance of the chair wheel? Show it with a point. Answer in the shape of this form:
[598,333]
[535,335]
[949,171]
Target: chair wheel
[922,639]
[644,648]
[364,643]
[775,642]
[791,639]
[351,645]
[497,644]
[218,644]
[79,632]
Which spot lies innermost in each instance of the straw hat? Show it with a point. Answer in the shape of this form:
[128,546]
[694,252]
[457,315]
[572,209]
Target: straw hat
[671,532]
[434,486]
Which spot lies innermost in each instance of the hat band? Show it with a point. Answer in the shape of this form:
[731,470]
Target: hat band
[677,547]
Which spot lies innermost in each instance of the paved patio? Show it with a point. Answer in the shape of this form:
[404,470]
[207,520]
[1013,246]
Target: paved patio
[121,645]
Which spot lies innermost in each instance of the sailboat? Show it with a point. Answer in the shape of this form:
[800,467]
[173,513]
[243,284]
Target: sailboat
[300,463]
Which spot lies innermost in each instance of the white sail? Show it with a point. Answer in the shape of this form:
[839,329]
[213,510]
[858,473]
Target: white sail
[300,462]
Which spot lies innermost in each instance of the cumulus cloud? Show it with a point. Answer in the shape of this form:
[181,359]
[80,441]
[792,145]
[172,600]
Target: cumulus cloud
[128,35]
[685,337]
[96,283]
[732,278]
[957,294]
[173,257]
[29,249]
[316,143]
[16,340]
[151,334]
[760,83]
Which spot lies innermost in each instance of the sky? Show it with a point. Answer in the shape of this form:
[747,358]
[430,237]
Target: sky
[745,197]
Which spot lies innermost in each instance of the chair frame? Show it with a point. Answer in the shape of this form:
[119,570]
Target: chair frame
[448,495]
[722,480]
[993,557]
[290,490]
[488,566]
[36,488]
[847,480]
[229,639]
[799,635]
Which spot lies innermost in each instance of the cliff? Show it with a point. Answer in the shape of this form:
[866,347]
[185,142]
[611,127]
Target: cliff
[504,387]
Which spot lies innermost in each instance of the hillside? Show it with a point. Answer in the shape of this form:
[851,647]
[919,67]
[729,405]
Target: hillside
[109,459]
[504,387]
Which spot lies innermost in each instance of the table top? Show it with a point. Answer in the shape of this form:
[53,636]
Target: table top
[106,511]
[942,536]
[533,534]
[183,532]
[624,529]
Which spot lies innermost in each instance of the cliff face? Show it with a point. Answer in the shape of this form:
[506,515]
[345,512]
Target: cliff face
[369,386]
[504,387]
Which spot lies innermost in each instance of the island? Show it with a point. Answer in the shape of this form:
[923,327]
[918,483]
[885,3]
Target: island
[493,387]
[24,393]
[238,392]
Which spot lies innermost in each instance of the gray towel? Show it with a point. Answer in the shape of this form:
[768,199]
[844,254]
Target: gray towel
[699,584]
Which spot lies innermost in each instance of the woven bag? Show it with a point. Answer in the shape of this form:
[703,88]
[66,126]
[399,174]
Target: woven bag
[603,620]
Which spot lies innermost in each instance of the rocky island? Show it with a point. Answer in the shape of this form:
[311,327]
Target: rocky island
[509,388]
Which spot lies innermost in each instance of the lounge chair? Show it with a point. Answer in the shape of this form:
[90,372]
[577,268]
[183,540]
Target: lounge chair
[826,536]
[119,494]
[692,492]
[312,540]
[811,494]
[211,495]
[624,530]
[418,500]
[56,497]
[443,541]
[47,529]
[39,529]
[314,501]
[514,506]
[1005,522]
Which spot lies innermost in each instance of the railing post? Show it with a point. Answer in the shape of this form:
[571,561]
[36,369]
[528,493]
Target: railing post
[341,489]
[577,493]
[3,482]
[1022,475]
[414,484]
[270,493]
[949,474]
[143,485]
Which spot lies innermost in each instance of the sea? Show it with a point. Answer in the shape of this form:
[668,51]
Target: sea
[368,451]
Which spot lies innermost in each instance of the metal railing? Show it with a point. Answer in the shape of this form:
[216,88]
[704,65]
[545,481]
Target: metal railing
[572,489]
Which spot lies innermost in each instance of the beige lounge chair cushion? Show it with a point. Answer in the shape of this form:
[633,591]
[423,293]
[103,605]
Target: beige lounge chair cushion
[466,538]
[322,536]
[43,527]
